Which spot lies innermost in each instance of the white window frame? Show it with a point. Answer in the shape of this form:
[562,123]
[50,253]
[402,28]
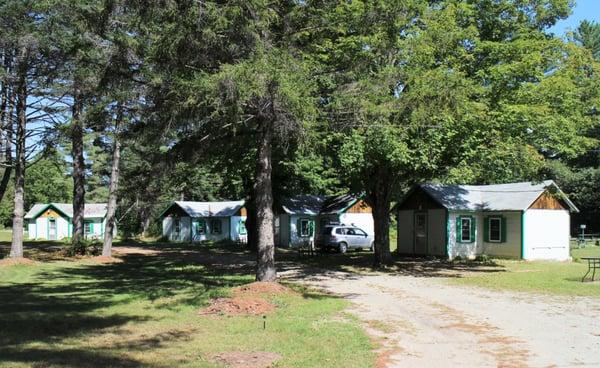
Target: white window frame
[499,240]
[87,227]
[462,239]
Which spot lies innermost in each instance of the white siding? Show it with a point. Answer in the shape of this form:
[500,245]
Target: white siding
[31,227]
[546,234]
[457,249]
[363,221]
[235,229]
[169,229]
[405,232]
[295,239]
[511,248]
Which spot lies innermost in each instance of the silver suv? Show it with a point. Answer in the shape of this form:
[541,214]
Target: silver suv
[343,237]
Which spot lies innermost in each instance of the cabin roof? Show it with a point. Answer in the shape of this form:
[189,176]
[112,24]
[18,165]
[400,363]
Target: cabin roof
[209,209]
[91,210]
[497,197]
[303,204]
[317,204]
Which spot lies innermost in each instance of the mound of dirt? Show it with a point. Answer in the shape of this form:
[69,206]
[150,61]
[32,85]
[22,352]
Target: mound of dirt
[254,359]
[272,288]
[247,300]
[105,259]
[13,262]
[239,306]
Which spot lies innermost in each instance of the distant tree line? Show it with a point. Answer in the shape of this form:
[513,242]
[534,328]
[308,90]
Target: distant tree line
[137,103]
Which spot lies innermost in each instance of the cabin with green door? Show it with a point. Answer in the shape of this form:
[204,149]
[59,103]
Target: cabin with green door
[516,220]
[187,221]
[54,221]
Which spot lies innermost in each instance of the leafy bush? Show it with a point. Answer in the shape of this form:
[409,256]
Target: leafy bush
[84,248]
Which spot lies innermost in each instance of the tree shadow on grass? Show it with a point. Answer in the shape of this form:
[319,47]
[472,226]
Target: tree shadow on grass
[42,318]
[354,264]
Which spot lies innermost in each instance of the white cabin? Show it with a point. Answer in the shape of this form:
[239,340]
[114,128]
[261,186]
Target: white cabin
[185,221]
[518,220]
[301,217]
[54,221]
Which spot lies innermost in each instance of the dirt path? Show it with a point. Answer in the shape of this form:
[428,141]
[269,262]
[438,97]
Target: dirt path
[423,322]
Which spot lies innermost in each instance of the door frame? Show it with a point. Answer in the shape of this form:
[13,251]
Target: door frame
[426,214]
[52,219]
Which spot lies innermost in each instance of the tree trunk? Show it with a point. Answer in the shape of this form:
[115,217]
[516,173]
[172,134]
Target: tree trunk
[251,230]
[16,250]
[380,201]
[112,198]
[263,204]
[6,125]
[146,219]
[78,169]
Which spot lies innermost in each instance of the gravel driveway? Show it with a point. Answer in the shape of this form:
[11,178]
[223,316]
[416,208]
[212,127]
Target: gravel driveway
[424,322]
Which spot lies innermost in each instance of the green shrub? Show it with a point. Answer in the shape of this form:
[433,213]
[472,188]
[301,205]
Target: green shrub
[84,248]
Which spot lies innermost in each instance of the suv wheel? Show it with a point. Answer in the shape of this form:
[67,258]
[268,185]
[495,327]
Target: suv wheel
[343,247]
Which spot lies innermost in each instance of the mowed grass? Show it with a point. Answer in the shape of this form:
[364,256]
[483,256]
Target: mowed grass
[144,313]
[559,278]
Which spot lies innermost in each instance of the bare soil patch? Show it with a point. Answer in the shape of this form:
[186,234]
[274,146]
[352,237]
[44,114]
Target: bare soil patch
[247,300]
[105,259]
[239,306]
[271,288]
[254,359]
[135,250]
[13,262]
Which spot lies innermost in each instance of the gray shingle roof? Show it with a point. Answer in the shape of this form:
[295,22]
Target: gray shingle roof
[92,210]
[317,204]
[303,204]
[210,209]
[337,204]
[497,197]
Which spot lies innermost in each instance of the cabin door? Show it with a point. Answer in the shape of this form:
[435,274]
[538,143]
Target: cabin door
[420,241]
[51,229]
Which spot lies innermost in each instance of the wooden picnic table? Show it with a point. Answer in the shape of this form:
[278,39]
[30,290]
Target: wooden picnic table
[593,264]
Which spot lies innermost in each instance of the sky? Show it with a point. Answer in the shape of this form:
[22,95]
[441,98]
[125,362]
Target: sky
[584,9]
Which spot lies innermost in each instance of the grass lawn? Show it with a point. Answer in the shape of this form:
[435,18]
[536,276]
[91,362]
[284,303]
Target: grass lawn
[5,235]
[144,312]
[561,278]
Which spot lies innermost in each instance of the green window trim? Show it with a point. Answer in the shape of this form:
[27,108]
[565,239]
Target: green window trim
[242,227]
[305,228]
[201,227]
[459,229]
[487,229]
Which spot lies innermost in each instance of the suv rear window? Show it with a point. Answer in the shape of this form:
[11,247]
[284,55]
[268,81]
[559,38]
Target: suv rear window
[340,231]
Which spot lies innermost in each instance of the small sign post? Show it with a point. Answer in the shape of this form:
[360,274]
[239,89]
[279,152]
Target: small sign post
[581,241]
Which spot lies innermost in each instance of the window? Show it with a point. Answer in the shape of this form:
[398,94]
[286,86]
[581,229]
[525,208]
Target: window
[465,229]
[201,227]
[215,226]
[340,231]
[176,226]
[88,227]
[495,226]
[360,232]
[306,228]
[242,227]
